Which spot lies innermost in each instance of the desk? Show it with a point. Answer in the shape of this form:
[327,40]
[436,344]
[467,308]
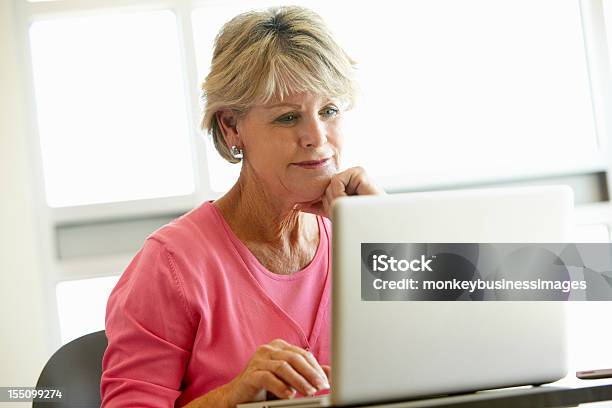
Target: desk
[564,393]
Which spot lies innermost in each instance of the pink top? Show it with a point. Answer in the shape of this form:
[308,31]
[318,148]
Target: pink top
[193,305]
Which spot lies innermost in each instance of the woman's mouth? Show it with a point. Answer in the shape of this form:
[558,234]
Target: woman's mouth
[313,164]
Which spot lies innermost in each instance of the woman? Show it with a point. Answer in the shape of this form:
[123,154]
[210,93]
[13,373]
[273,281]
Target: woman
[231,300]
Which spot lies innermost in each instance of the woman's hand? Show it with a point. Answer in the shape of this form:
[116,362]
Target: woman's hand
[280,368]
[353,181]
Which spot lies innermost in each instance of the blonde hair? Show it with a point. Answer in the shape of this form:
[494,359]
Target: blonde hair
[260,55]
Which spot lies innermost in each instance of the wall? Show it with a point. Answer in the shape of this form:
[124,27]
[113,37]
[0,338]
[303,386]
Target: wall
[23,338]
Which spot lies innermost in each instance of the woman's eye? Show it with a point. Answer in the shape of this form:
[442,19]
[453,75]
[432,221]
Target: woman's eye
[287,118]
[292,117]
[330,111]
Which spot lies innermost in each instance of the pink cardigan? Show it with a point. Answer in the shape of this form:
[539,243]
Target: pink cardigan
[191,308]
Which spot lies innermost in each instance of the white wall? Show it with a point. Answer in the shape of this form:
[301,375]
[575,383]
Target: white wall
[23,332]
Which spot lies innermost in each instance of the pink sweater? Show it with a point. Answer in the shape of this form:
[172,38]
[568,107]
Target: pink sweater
[194,304]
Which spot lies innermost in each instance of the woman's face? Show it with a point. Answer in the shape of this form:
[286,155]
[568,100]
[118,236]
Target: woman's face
[293,146]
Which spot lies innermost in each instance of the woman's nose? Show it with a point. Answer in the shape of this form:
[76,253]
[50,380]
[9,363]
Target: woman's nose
[314,134]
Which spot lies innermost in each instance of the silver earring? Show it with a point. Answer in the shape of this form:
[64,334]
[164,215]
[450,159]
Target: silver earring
[236,152]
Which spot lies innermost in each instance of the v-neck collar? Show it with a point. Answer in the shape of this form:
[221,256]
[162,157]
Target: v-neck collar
[240,248]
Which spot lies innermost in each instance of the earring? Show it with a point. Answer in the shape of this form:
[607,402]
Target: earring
[236,152]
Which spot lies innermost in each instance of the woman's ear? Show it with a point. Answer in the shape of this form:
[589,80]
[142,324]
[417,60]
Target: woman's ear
[227,120]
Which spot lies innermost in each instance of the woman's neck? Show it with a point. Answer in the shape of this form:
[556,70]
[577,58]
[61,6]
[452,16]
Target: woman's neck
[255,215]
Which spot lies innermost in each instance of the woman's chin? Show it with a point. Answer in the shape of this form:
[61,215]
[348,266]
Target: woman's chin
[313,187]
[311,191]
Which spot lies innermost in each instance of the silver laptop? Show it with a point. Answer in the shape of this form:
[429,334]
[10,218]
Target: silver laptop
[401,350]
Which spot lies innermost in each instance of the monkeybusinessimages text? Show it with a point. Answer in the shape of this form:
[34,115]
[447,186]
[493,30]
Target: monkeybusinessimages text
[385,263]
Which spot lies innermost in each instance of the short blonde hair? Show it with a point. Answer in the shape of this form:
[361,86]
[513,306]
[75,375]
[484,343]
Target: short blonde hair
[260,55]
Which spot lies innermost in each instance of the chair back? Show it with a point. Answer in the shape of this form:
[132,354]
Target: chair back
[75,369]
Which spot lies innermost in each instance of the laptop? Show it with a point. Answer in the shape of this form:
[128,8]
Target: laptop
[384,351]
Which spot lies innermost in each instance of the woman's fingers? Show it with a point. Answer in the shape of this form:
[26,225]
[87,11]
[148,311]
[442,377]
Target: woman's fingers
[319,379]
[327,370]
[336,188]
[280,368]
[313,362]
[267,380]
[310,375]
[315,378]
[355,181]
[285,372]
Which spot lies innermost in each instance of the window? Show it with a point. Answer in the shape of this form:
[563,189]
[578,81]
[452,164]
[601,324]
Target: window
[111,108]
[477,73]
[82,305]
[470,88]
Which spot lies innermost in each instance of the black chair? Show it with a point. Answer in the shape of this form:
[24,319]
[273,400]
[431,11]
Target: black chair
[76,369]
